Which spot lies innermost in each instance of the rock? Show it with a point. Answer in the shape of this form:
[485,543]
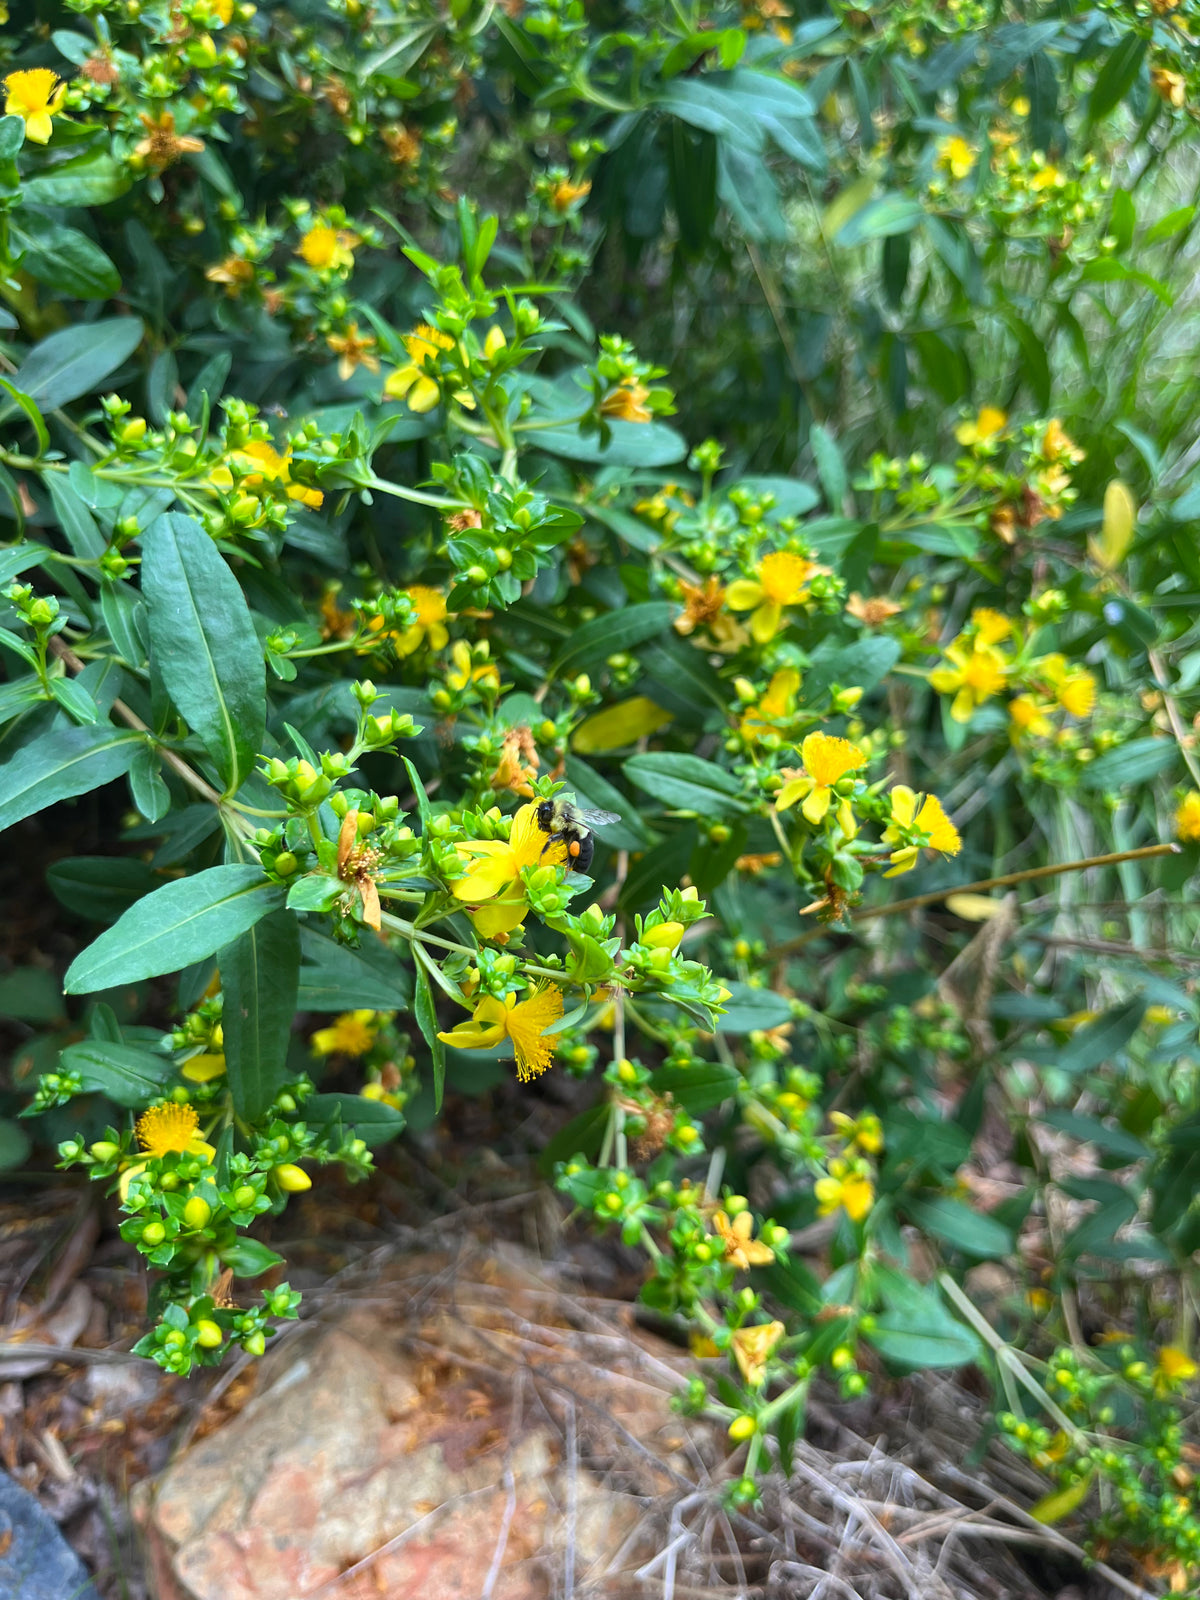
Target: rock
[431,1460]
[36,1563]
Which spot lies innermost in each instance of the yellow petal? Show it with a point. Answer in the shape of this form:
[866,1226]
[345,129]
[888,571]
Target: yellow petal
[764,624]
[743,594]
[817,804]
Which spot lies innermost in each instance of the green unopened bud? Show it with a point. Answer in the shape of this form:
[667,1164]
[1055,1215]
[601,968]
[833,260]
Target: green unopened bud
[254,1343]
[153,1234]
[104,1150]
[209,1335]
[292,1179]
[196,1212]
[244,1196]
[285,863]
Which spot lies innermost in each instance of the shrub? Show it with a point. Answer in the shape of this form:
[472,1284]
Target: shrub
[480,680]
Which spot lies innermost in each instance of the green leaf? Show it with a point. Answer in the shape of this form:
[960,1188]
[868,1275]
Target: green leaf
[61,765]
[1101,1040]
[75,700]
[1114,1141]
[863,664]
[31,411]
[749,1009]
[12,137]
[14,1141]
[69,262]
[632,444]
[334,978]
[426,1015]
[206,649]
[700,1088]
[92,179]
[1118,74]
[917,1329]
[371,1120]
[831,469]
[128,1076]
[180,923]
[881,219]
[1130,763]
[77,360]
[583,1136]
[75,519]
[686,783]
[31,994]
[958,1226]
[1167,227]
[249,1257]
[260,972]
[709,105]
[1107,270]
[613,632]
[101,887]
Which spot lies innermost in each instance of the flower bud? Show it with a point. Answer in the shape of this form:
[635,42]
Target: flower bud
[209,1335]
[104,1150]
[254,1343]
[244,1196]
[292,1179]
[665,937]
[153,1234]
[742,1427]
[196,1212]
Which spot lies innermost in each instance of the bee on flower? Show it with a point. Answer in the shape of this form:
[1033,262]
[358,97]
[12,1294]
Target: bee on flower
[492,884]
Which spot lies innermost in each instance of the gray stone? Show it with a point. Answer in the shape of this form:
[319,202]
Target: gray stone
[36,1562]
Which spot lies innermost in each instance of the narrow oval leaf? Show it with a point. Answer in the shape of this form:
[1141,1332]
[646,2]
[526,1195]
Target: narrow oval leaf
[125,1074]
[615,631]
[61,765]
[206,649]
[77,360]
[260,974]
[619,725]
[180,923]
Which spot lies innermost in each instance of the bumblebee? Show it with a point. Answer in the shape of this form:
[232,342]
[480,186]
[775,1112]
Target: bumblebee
[571,825]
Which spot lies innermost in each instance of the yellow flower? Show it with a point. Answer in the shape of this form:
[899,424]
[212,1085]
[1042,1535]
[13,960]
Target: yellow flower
[235,272]
[990,626]
[353,350]
[627,402]
[741,1250]
[352,1034]
[956,156]
[413,379]
[845,1189]
[1058,446]
[166,1129]
[564,195]
[1028,715]
[988,425]
[464,670]
[522,1021]
[930,820]
[325,248]
[1074,687]
[752,1346]
[782,581]
[1171,86]
[262,464]
[775,704]
[35,96]
[826,762]
[203,1068]
[1187,818]
[866,1131]
[1173,1368]
[1047,177]
[429,624]
[975,674]
[492,882]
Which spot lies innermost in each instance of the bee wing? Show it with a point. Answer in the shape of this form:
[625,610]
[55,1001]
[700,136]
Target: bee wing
[598,819]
